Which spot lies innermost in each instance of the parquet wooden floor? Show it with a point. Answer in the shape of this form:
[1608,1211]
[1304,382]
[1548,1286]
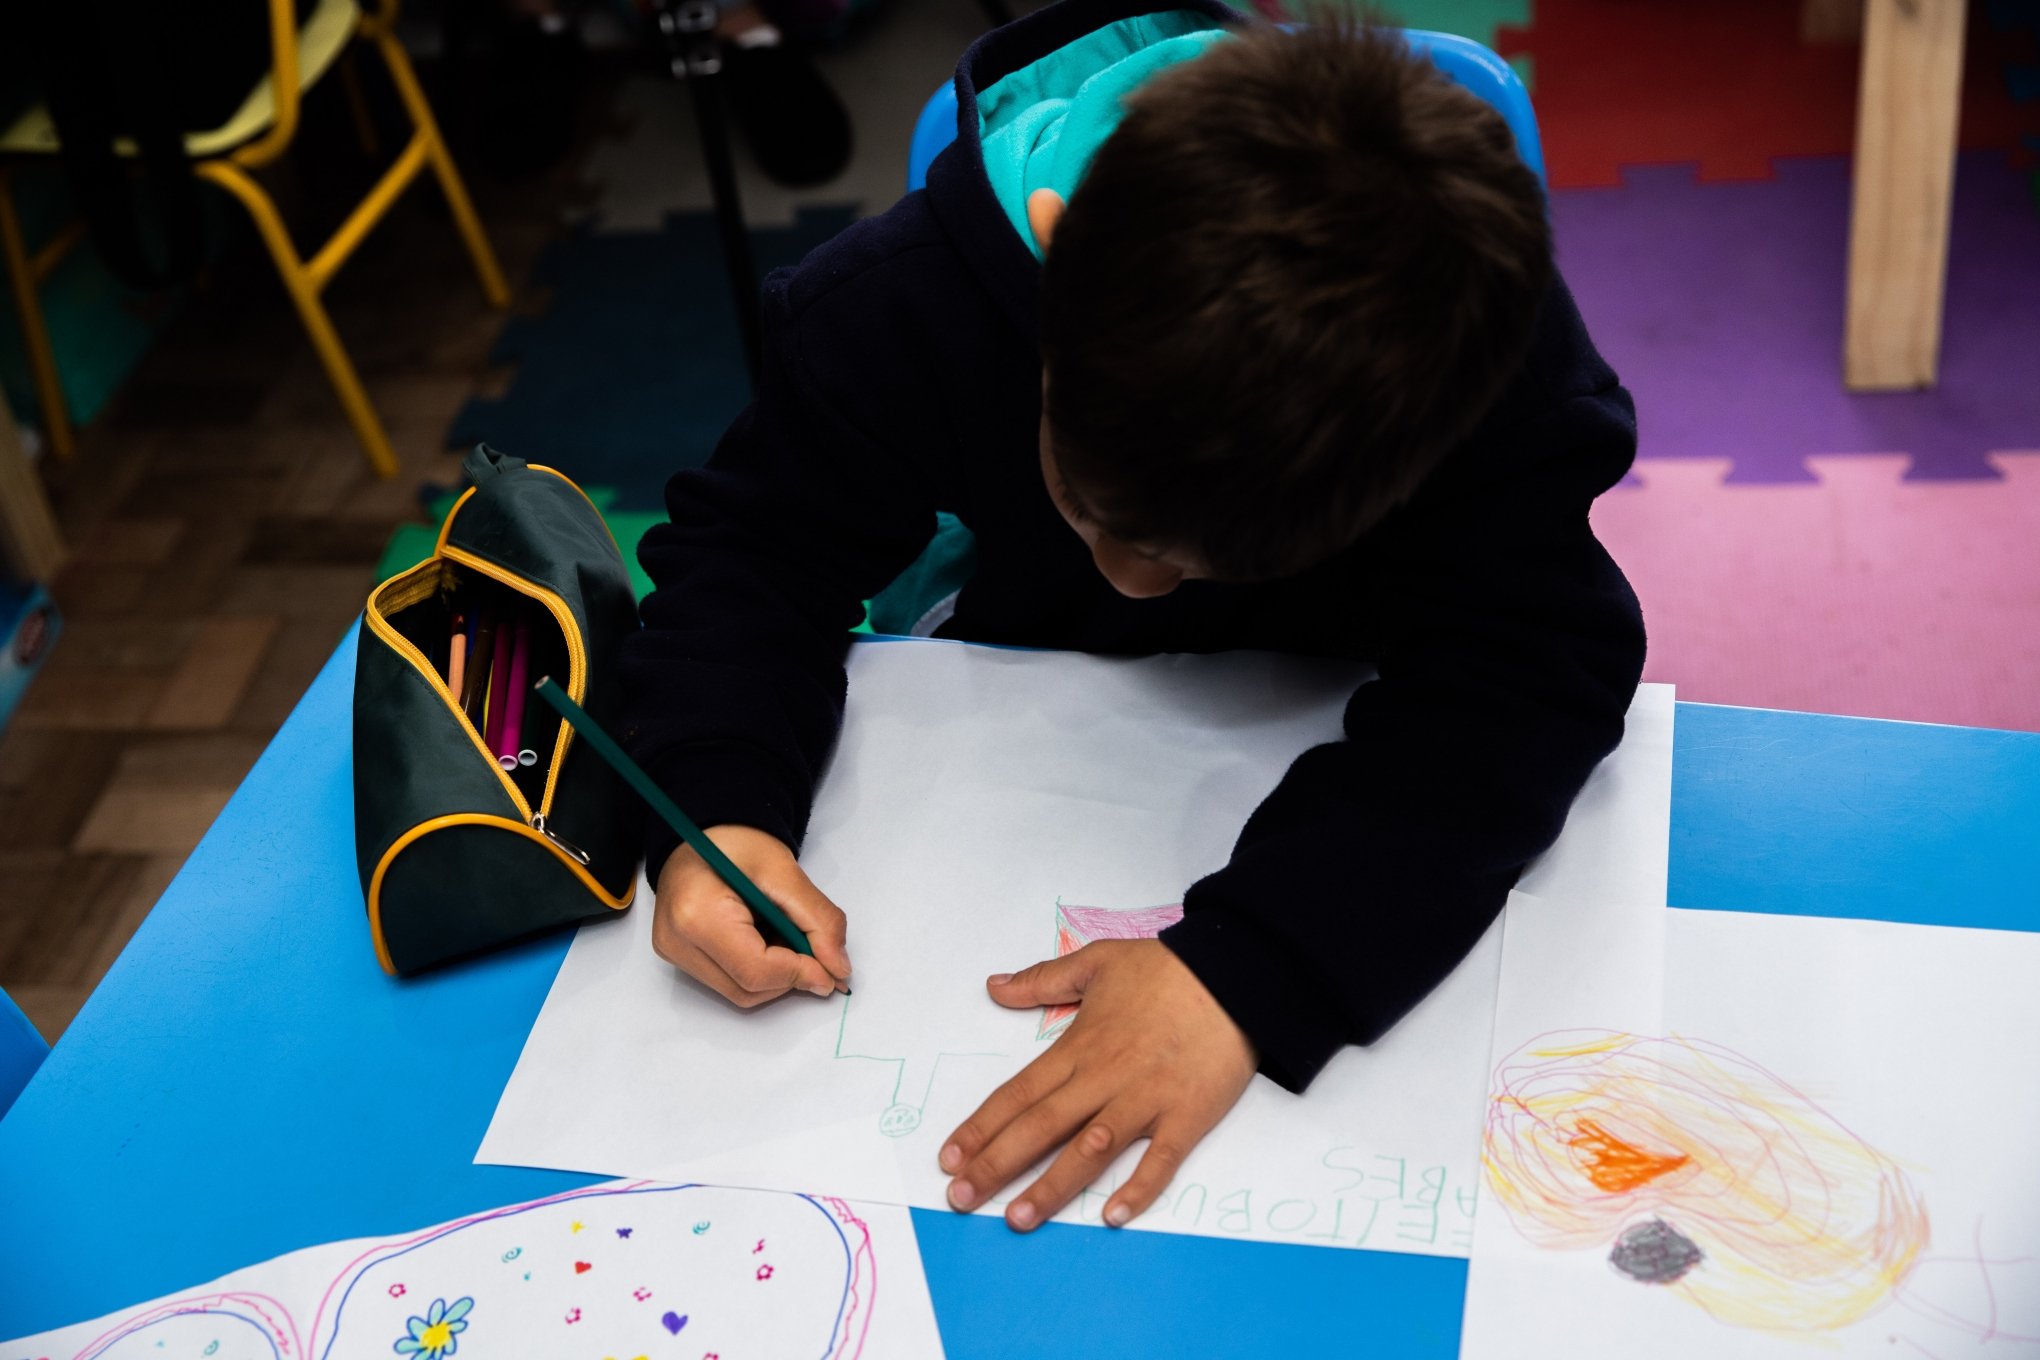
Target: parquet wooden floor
[224,531]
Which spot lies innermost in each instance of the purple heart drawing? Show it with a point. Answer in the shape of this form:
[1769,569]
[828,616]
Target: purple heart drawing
[674,1322]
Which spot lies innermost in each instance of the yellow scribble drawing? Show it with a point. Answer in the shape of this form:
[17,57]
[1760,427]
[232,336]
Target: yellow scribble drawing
[1701,1173]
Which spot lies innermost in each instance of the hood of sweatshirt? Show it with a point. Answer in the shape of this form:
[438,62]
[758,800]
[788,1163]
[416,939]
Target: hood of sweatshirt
[1034,101]
[1040,127]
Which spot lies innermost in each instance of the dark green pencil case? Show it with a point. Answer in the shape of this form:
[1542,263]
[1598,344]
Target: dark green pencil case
[457,854]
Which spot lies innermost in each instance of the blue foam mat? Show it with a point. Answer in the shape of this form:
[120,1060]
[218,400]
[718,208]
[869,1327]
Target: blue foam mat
[633,370]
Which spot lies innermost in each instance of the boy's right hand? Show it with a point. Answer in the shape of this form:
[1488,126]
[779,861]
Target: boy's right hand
[703,928]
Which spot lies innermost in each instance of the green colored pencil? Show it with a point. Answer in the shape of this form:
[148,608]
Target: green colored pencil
[633,774]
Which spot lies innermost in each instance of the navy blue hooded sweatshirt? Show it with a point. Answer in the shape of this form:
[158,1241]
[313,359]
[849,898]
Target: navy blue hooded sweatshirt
[903,376]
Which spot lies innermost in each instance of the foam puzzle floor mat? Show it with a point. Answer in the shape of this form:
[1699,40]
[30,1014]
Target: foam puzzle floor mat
[1854,592]
[1731,86]
[633,370]
[1721,306]
[413,543]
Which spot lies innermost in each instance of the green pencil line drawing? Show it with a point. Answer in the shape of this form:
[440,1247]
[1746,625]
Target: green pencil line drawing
[1075,926]
[901,1117]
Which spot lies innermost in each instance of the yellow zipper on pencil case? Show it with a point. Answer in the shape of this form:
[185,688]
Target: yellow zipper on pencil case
[426,828]
[427,579]
[449,567]
[577,656]
[446,526]
[398,594]
[563,616]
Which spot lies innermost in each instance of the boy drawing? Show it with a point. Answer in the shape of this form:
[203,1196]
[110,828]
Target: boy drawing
[1216,337]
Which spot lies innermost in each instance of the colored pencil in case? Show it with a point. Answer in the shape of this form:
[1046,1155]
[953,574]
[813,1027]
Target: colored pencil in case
[510,735]
[763,907]
[527,754]
[480,651]
[456,664]
[499,681]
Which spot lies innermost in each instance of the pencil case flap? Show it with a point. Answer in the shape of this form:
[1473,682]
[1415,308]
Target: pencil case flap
[536,525]
[456,855]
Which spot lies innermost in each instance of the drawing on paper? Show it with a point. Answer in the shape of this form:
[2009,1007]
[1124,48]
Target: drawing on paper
[436,1334]
[869,1032]
[916,1067]
[1076,927]
[1698,1171]
[230,1326]
[619,1270]
[613,1267]
[913,1070]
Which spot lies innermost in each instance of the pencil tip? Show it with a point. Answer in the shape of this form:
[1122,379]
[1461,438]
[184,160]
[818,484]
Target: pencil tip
[846,991]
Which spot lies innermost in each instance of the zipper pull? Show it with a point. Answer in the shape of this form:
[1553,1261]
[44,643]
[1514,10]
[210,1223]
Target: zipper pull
[574,851]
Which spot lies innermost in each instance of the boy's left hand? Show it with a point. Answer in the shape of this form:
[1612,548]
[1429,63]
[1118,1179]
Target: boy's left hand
[1151,1054]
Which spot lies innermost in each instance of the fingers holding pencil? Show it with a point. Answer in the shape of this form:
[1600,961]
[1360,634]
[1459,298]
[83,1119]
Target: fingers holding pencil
[821,920]
[700,851]
[704,928]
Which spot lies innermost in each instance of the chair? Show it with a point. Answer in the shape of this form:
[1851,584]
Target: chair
[21,1051]
[1463,59]
[258,133]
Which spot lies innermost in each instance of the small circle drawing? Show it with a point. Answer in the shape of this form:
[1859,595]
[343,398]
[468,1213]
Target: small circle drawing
[899,1120]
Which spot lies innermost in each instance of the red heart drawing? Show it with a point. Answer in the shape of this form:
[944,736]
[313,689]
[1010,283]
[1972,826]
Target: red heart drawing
[581,1267]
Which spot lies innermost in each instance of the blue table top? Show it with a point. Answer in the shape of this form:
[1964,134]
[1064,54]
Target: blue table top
[246,1081]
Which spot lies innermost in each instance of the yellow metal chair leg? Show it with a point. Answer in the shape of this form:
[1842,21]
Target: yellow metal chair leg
[357,107]
[442,165]
[42,360]
[304,291]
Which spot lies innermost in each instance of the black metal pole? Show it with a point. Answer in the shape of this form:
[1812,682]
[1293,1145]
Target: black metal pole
[695,59]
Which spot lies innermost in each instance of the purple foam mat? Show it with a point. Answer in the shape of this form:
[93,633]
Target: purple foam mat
[1721,305]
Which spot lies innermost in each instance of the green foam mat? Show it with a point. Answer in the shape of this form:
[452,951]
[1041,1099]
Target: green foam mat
[413,543]
[940,571]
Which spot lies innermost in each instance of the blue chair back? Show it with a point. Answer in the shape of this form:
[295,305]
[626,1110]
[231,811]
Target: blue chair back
[1463,59]
[21,1051]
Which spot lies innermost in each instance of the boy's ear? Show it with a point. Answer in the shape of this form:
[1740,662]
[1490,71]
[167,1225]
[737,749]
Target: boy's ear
[1044,210]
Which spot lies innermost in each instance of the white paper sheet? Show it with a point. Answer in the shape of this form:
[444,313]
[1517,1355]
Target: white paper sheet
[623,1269]
[1841,1124]
[981,802]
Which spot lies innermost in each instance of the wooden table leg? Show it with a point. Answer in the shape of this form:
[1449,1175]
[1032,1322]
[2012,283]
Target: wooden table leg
[1905,177]
[1830,21]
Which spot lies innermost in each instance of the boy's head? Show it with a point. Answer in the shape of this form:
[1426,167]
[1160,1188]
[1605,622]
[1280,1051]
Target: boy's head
[1298,272]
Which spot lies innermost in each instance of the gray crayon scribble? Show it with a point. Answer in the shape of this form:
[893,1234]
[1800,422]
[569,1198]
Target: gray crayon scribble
[1654,1253]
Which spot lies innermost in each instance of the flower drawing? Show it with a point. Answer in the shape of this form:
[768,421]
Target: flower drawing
[437,1334]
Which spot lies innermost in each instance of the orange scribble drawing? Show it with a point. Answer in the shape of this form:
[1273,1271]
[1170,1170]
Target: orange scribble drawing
[1702,1173]
[1612,1164]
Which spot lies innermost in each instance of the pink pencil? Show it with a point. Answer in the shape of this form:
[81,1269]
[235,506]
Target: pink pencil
[499,682]
[512,731]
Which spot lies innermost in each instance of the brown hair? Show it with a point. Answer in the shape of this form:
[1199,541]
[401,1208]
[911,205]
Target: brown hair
[1296,275]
